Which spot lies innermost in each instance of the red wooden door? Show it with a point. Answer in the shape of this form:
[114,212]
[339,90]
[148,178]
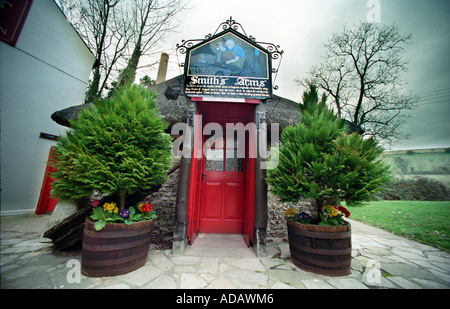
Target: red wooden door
[46,203]
[223,187]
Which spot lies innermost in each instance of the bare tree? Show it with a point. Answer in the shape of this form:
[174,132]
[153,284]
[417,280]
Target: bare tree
[119,33]
[151,24]
[361,73]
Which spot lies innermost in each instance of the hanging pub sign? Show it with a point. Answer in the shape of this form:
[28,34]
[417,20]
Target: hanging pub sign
[227,64]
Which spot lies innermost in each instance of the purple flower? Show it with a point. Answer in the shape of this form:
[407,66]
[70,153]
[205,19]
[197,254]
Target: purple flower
[303,216]
[124,213]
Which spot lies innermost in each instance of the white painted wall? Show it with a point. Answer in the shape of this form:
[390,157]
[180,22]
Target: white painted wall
[47,70]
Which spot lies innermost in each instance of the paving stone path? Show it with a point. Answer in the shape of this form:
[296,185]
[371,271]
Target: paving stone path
[380,260]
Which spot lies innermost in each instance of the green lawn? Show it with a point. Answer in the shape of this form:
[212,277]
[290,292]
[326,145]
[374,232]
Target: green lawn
[425,222]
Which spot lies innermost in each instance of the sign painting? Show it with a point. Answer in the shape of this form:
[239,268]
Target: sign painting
[228,65]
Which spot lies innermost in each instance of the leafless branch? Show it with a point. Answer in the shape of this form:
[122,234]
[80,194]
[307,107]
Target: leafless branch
[362,74]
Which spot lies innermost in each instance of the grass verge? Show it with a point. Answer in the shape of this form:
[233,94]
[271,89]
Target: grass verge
[422,221]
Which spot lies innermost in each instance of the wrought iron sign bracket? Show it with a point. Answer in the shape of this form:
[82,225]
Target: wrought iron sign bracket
[274,50]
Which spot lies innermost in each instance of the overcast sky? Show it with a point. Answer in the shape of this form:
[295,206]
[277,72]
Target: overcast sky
[301,27]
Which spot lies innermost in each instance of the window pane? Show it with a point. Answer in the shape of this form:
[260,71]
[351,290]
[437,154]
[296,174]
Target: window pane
[214,166]
[214,160]
[234,161]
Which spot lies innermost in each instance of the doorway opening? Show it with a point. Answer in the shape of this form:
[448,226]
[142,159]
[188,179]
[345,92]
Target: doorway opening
[222,176]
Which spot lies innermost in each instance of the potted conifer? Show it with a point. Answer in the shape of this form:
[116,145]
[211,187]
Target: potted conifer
[116,147]
[320,161]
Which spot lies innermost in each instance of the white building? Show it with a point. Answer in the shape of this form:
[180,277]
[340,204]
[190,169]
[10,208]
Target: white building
[46,70]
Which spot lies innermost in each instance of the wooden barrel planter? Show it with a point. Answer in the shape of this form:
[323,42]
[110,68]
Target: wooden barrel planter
[323,250]
[116,249]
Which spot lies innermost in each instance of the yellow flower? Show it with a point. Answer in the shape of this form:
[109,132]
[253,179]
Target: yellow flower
[109,206]
[331,211]
[140,207]
[116,210]
[290,212]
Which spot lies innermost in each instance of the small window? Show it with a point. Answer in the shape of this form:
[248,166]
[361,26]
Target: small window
[234,161]
[220,151]
[214,160]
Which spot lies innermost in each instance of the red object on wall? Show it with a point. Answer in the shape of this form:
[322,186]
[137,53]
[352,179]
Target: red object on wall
[45,202]
[12,17]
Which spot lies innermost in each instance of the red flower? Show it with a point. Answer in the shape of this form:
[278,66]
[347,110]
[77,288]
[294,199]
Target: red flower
[147,207]
[344,210]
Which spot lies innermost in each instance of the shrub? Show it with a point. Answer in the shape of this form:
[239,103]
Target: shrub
[117,146]
[318,160]
[416,189]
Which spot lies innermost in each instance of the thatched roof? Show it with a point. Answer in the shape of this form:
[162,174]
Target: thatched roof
[63,116]
[173,107]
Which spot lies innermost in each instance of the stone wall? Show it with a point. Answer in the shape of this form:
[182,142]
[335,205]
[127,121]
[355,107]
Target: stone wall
[164,202]
[276,221]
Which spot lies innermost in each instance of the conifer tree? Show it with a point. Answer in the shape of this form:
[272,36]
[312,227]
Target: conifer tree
[318,160]
[117,146]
